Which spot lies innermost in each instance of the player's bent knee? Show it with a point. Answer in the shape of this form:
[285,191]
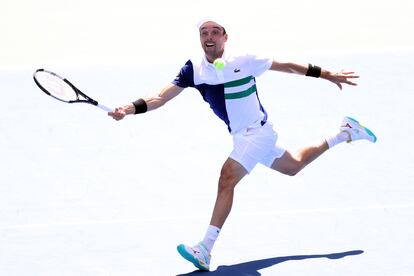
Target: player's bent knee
[291,170]
[226,181]
[296,169]
[231,173]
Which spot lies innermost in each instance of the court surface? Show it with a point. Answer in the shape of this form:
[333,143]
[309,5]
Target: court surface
[81,194]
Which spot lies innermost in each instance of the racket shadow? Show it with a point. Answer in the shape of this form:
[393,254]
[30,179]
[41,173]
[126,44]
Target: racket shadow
[252,268]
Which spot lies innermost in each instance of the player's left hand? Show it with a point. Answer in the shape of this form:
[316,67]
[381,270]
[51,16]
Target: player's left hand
[341,77]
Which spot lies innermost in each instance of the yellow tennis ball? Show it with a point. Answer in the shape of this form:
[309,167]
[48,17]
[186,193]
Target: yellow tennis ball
[219,64]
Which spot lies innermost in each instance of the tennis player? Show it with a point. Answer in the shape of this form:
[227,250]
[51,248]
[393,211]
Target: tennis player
[232,95]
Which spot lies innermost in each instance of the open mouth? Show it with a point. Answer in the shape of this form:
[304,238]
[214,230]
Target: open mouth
[210,44]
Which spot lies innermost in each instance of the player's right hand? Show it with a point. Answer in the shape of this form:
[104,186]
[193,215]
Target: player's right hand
[118,113]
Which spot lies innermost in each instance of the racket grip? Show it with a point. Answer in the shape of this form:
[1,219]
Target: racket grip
[107,109]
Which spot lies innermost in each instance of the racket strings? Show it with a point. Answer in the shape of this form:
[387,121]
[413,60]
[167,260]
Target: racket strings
[56,86]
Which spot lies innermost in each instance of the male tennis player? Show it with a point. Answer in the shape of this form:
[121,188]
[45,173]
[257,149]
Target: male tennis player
[232,95]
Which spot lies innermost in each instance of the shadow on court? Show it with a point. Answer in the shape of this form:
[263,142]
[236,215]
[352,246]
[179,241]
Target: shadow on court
[252,268]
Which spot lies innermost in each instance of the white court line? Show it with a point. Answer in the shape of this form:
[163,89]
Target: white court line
[246,214]
[332,210]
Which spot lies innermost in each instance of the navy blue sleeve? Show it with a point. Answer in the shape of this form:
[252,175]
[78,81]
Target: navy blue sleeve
[185,77]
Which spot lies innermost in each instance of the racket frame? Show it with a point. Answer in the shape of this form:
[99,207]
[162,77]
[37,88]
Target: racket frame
[78,93]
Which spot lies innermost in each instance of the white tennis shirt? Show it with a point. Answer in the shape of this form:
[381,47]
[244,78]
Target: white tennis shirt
[231,92]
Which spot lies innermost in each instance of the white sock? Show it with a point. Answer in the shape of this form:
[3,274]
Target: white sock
[211,237]
[337,138]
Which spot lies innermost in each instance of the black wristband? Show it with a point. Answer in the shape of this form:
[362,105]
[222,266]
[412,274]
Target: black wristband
[140,106]
[314,71]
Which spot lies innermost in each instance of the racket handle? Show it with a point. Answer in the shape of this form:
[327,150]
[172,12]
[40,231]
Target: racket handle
[107,109]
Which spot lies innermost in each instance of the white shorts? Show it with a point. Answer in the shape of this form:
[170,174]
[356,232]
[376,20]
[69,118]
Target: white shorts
[256,145]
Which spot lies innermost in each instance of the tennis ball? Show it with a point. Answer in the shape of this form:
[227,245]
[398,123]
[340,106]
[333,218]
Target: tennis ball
[219,64]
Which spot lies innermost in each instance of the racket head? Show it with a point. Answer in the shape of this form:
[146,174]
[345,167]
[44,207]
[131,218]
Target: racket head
[55,86]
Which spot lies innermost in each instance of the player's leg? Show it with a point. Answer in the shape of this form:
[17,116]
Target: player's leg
[350,130]
[291,164]
[231,173]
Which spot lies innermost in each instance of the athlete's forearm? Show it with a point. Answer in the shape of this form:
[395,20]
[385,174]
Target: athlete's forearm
[159,99]
[155,101]
[148,103]
[301,69]
[289,67]
[144,104]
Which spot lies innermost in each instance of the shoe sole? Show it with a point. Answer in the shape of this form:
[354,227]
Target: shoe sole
[190,258]
[367,130]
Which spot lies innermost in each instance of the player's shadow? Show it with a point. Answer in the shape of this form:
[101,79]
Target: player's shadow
[252,268]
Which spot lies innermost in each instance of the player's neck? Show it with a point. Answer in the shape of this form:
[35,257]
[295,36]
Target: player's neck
[212,57]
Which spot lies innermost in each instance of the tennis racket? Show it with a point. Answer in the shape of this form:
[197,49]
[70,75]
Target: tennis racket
[63,90]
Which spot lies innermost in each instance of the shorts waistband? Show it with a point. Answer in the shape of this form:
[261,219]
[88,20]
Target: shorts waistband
[257,124]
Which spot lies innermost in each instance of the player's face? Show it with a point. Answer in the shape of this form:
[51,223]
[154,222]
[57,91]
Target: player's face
[212,38]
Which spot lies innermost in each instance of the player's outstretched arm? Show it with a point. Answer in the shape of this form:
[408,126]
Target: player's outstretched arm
[147,103]
[338,78]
